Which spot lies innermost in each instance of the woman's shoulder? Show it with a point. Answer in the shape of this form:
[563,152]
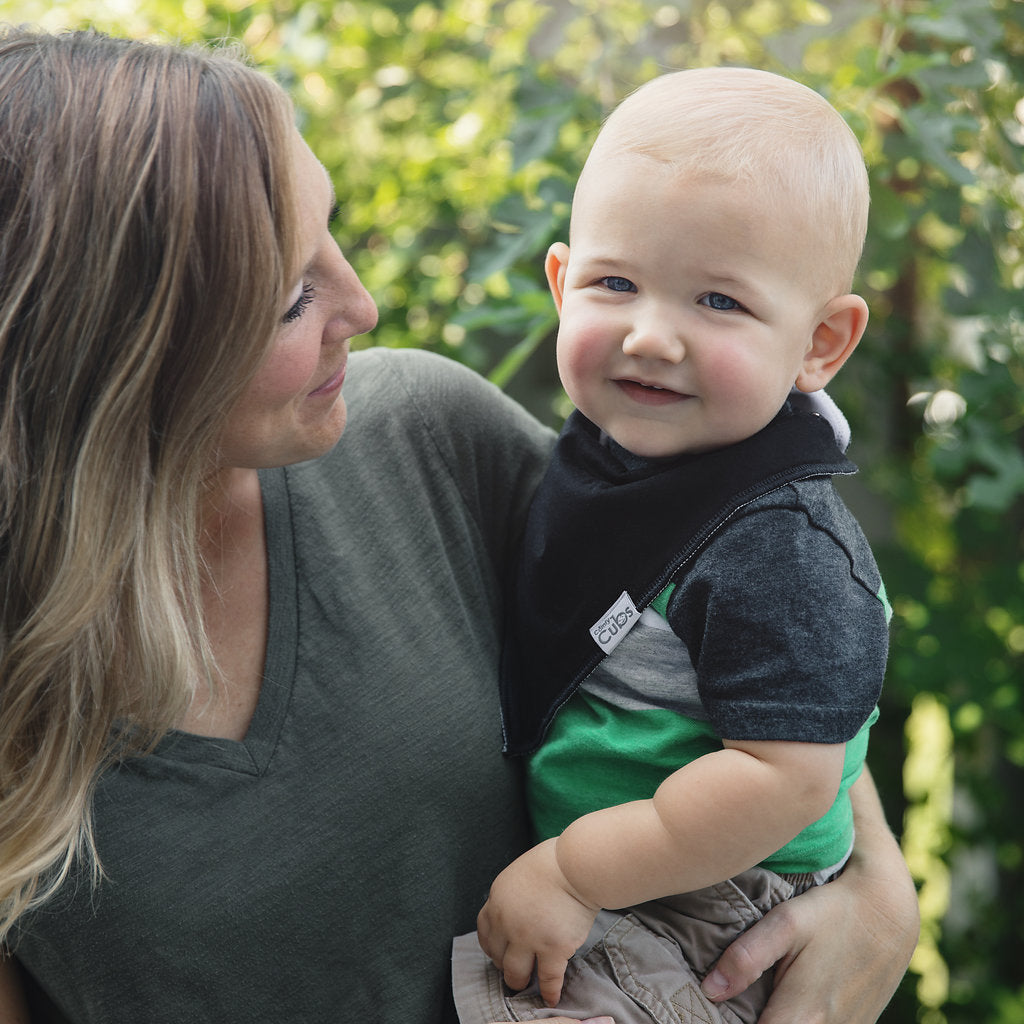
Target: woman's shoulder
[417,389]
[379,375]
[413,366]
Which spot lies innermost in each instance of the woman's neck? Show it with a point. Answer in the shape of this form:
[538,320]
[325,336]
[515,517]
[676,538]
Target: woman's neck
[235,604]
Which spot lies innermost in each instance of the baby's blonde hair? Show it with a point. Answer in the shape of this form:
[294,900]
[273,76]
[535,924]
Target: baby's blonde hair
[757,130]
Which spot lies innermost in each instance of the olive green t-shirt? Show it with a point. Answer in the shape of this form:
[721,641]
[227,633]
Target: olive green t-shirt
[318,870]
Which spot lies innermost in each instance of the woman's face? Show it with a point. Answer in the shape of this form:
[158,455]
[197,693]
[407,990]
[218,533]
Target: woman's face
[293,408]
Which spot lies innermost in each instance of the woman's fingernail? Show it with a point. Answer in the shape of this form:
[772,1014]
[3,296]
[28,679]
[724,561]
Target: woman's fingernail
[715,984]
[598,1020]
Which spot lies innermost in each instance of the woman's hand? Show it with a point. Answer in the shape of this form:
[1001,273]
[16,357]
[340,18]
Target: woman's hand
[827,973]
[533,915]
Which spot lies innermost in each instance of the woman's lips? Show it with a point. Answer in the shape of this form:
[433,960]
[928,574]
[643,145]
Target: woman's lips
[650,394]
[333,384]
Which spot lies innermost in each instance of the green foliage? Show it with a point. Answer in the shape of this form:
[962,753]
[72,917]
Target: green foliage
[454,131]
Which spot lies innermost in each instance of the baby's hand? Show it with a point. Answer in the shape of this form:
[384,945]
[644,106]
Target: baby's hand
[534,915]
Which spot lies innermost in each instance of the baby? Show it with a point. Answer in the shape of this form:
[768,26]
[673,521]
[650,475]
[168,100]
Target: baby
[698,629]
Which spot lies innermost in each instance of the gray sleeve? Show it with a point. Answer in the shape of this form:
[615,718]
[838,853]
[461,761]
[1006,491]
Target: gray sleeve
[494,451]
[785,627]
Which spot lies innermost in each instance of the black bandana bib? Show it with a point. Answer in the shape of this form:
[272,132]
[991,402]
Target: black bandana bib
[607,531]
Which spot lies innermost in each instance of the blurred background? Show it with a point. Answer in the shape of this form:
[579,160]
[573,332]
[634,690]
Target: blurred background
[454,130]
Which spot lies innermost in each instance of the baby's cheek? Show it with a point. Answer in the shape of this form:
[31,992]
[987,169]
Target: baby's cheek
[734,371]
[582,352]
[747,389]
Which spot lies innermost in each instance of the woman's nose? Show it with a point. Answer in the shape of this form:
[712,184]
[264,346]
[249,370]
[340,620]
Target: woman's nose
[364,310]
[357,312]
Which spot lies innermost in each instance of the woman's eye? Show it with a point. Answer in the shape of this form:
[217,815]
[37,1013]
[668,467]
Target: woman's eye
[299,306]
[716,300]
[618,284]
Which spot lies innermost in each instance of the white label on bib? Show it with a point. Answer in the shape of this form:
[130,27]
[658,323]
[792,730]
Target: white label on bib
[611,628]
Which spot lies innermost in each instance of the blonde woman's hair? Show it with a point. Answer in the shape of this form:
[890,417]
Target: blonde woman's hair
[759,131]
[146,232]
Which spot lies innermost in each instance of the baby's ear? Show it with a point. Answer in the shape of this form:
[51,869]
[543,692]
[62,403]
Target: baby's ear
[838,332]
[555,264]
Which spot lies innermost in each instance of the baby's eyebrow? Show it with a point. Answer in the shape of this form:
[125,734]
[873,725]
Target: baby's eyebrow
[619,264]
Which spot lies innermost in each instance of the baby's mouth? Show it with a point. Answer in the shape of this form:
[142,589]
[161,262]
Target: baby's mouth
[642,390]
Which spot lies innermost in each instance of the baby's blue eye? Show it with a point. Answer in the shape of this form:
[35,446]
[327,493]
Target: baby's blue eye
[716,300]
[618,284]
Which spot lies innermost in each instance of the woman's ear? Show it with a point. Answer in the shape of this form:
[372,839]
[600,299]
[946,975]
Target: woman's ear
[836,336]
[555,264]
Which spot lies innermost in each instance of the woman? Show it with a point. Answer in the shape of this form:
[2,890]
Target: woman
[248,748]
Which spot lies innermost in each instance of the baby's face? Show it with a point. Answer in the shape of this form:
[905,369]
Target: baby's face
[686,309]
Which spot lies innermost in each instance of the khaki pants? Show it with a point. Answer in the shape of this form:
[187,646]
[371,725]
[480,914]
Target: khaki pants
[640,966]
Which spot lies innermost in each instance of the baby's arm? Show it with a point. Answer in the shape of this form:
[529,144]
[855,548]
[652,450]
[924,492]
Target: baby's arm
[708,821]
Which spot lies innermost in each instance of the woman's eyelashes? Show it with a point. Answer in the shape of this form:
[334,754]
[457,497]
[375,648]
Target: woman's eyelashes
[308,290]
[301,304]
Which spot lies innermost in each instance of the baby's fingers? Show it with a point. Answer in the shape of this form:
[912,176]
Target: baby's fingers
[550,975]
[517,967]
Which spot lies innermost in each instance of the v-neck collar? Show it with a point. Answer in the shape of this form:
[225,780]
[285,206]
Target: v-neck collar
[252,755]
